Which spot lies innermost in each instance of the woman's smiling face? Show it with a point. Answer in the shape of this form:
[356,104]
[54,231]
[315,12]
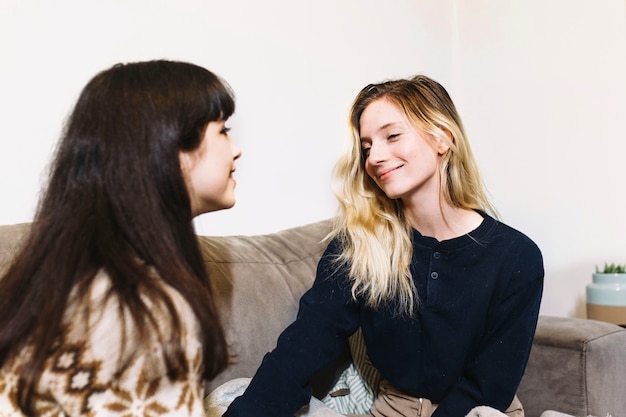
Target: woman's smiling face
[402,160]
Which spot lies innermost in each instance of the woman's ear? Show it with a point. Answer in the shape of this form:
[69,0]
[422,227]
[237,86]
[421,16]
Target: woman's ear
[186,162]
[443,145]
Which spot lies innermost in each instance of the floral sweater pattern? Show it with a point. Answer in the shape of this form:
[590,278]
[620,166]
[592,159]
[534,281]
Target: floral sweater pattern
[90,372]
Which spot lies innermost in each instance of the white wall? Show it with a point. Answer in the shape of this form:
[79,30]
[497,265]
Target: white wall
[543,95]
[295,67]
[539,83]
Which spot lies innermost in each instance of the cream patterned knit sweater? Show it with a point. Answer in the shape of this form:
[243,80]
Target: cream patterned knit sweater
[85,373]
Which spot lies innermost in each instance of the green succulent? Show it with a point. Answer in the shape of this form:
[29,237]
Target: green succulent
[611,269]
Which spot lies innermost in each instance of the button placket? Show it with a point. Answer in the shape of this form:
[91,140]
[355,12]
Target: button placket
[433,277]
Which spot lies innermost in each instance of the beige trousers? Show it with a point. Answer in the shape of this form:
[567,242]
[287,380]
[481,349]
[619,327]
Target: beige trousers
[393,403]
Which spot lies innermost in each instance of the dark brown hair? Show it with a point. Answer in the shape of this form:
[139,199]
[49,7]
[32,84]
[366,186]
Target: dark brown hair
[115,195]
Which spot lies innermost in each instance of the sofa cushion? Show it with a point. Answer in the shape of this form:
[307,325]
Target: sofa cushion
[11,236]
[576,366]
[257,283]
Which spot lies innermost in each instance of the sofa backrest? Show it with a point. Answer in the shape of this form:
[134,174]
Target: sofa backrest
[257,282]
[10,239]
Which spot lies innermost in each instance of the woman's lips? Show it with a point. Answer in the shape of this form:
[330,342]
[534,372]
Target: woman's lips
[386,173]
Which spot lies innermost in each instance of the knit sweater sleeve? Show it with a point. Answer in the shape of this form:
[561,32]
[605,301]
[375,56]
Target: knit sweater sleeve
[327,316]
[493,372]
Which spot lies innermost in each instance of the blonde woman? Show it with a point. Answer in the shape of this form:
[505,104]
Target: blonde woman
[447,297]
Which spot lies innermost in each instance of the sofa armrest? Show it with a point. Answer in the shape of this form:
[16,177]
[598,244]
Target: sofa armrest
[576,366]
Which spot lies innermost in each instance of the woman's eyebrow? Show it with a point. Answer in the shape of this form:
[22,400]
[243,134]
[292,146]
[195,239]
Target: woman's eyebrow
[380,129]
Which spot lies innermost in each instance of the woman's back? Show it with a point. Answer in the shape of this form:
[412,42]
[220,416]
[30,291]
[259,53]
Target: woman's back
[99,363]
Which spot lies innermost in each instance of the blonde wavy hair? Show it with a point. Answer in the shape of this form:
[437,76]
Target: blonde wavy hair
[373,230]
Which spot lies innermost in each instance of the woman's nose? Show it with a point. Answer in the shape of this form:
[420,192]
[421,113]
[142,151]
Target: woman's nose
[377,153]
[236,150]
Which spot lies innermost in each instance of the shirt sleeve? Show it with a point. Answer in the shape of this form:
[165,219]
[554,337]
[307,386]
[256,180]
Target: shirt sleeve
[327,316]
[494,371]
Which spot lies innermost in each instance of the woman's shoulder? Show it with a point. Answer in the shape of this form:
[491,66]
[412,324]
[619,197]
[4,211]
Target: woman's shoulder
[334,245]
[515,237]
[99,318]
[518,250]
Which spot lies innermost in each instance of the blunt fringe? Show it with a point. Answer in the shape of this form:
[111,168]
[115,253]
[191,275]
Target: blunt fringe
[116,201]
[375,234]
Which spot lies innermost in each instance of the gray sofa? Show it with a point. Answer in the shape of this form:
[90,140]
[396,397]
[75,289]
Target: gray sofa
[577,366]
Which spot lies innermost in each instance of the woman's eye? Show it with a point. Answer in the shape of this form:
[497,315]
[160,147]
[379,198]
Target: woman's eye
[225,130]
[393,136]
[365,152]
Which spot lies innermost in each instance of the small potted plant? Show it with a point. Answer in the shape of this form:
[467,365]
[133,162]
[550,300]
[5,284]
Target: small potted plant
[611,269]
[606,295]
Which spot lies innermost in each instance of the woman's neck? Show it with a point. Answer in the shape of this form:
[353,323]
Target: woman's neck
[443,223]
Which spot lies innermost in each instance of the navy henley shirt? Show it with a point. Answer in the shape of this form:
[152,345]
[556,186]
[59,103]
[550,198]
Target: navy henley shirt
[466,345]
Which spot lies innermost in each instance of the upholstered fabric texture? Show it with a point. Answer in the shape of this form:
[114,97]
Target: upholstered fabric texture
[258,281]
[578,367]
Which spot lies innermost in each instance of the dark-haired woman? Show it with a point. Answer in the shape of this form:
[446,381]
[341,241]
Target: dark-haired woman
[107,308]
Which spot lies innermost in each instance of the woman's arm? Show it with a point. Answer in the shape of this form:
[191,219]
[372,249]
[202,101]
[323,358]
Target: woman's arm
[326,318]
[492,374]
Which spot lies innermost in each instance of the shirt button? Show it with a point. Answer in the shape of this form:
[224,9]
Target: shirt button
[436,255]
[434,275]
